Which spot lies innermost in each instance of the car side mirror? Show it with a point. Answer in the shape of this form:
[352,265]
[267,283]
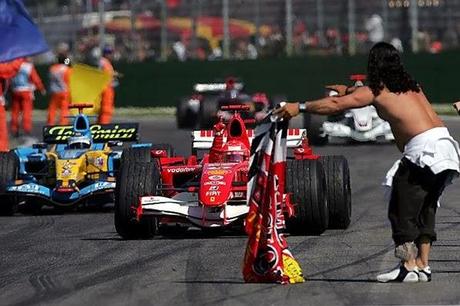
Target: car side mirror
[40,145]
[114,143]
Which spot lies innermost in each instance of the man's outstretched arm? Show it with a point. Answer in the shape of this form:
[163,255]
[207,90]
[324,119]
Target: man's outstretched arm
[362,96]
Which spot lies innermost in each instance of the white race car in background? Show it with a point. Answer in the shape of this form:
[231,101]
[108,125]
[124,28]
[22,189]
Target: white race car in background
[358,124]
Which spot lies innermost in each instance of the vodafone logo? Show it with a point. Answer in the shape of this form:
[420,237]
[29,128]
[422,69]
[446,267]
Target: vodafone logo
[180,170]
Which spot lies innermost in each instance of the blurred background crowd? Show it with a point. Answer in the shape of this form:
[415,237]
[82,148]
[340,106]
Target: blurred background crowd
[160,30]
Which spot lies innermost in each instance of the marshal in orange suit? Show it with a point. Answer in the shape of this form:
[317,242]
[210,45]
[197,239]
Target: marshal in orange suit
[108,95]
[59,87]
[23,85]
[7,71]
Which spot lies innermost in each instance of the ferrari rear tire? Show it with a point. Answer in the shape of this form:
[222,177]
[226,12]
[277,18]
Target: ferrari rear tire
[135,180]
[8,173]
[314,125]
[306,183]
[208,112]
[338,191]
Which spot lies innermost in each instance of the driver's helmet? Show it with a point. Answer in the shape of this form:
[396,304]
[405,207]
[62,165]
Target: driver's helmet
[235,152]
[231,92]
[79,142]
[230,95]
[234,157]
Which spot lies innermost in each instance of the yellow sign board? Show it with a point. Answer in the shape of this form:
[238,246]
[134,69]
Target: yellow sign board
[86,86]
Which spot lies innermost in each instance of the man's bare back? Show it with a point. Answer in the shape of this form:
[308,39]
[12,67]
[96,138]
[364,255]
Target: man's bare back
[409,114]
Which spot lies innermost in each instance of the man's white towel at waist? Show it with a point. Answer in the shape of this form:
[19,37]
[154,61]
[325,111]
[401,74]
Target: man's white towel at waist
[434,149]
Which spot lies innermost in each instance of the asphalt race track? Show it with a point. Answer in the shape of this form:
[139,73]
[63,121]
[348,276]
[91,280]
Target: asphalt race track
[78,258]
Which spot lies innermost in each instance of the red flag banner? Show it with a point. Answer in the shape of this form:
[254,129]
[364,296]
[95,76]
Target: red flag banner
[267,257]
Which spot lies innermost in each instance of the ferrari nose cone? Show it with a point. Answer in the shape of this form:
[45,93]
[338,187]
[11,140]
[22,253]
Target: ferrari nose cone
[216,184]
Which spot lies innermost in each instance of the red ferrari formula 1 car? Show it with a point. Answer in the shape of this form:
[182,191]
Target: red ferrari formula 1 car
[156,190]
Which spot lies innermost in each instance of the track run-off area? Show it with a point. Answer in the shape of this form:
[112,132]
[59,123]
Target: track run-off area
[78,258]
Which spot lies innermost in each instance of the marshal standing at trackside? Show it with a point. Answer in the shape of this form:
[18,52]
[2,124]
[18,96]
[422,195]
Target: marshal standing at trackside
[430,155]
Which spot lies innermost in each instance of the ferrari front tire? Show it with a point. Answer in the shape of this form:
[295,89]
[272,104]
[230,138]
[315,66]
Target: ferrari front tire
[135,180]
[136,155]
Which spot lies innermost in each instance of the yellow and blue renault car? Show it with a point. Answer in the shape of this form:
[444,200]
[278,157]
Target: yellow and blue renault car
[74,165]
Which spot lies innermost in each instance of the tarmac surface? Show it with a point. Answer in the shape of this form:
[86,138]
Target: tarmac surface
[78,258]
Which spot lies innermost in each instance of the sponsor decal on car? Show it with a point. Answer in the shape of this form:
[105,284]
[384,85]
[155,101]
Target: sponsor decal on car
[104,185]
[218,172]
[219,167]
[214,183]
[216,177]
[214,188]
[99,161]
[234,148]
[100,132]
[67,169]
[33,188]
[180,170]
[213,193]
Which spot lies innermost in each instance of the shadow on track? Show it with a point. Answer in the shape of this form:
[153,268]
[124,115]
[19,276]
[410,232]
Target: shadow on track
[338,280]
[188,235]
[236,282]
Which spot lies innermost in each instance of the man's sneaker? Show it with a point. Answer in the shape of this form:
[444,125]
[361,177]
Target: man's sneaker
[424,275]
[400,275]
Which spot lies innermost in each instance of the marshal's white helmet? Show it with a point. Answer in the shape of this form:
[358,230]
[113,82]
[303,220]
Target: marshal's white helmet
[79,142]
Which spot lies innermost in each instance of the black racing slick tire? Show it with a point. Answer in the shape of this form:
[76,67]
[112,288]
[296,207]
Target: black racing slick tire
[135,180]
[208,112]
[136,154]
[314,125]
[8,173]
[306,183]
[185,117]
[338,191]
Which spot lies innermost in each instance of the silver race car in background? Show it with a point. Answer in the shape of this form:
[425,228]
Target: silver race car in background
[359,124]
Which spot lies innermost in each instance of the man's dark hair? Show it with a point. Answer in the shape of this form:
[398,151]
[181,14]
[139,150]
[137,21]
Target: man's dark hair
[384,68]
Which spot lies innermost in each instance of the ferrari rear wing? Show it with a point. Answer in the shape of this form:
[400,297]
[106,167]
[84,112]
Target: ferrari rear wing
[202,140]
[101,133]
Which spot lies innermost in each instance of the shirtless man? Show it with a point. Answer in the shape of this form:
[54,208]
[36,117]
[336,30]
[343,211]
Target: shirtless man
[430,155]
